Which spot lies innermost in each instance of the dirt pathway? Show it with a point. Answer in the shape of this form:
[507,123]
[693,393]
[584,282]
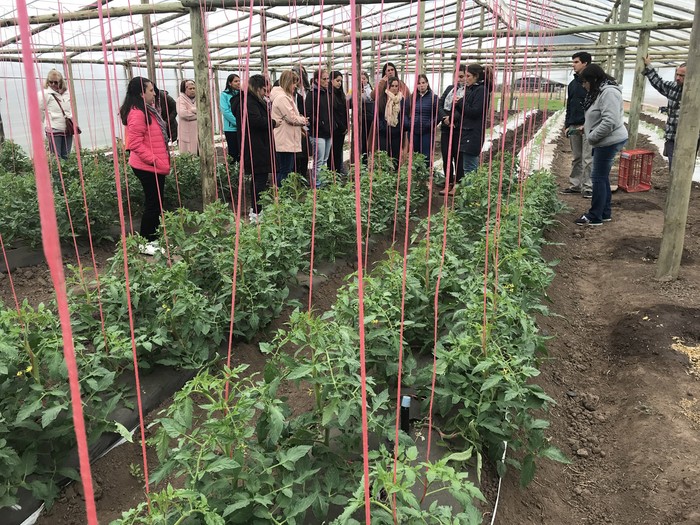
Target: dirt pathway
[628,412]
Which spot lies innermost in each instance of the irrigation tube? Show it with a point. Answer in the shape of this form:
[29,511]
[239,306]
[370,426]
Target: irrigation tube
[500,481]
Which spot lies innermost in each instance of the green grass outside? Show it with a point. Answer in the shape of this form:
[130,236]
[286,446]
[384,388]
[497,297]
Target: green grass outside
[552,101]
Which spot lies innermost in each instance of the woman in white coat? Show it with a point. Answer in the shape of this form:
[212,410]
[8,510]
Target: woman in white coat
[290,124]
[55,106]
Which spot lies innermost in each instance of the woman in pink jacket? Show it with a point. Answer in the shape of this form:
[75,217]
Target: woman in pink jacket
[188,135]
[290,124]
[149,156]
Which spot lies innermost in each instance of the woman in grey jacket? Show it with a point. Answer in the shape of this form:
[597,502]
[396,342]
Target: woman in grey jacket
[605,129]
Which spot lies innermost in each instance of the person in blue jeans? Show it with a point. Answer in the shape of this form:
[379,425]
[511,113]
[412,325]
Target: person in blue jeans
[606,133]
[318,110]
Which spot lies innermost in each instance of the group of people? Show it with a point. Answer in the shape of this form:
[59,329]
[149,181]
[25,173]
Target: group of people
[55,107]
[275,130]
[595,126]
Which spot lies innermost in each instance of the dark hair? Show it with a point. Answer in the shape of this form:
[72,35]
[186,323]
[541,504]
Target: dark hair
[476,70]
[425,77]
[134,98]
[583,56]
[301,71]
[338,93]
[463,68]
[386,66]
[595,75]
[390,81]
[183,84]
[317,75]
[229,79]
[255,83]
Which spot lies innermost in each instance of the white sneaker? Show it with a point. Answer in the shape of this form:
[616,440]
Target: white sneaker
[151,248]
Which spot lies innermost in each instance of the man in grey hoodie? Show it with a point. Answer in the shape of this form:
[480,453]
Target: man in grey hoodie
[606,132]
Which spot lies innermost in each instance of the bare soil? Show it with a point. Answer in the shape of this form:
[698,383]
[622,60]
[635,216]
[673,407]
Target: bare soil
[627,410]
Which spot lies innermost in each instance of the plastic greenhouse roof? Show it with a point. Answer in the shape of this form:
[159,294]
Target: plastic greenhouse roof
[313,34]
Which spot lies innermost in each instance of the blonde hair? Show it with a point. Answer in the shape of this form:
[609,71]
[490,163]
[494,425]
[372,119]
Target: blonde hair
[61,80]
[288,81]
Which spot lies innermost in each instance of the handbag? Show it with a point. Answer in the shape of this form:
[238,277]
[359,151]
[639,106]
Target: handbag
[71,128]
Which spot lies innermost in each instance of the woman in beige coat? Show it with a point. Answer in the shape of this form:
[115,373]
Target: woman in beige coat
[290,124]
[188,137]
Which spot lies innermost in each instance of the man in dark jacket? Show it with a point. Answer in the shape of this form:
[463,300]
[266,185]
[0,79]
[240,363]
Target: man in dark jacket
[580,178]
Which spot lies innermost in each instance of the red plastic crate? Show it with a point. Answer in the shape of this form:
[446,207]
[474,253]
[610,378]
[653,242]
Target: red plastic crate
[635,170]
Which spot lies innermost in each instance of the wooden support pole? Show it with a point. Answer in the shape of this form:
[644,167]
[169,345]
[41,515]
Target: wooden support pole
[420,29]
[207,160]
[623,18]
[148,45]
[609,40]
[639,81]
[71,89]
[263,40]
[678,197]
[480,41]
[357,82]
[329,53]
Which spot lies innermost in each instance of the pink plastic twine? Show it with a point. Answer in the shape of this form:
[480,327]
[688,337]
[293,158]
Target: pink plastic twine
[52,252]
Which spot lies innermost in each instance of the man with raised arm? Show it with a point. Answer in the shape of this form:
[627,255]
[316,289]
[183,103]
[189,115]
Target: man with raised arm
[673,91]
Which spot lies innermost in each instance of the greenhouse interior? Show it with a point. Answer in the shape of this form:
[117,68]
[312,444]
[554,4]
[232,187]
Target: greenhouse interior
[343,262]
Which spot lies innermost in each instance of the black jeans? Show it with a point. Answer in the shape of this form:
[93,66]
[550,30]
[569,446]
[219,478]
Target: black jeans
[335,160]
[233,145]
[259,184]
[153,190]
[452,161]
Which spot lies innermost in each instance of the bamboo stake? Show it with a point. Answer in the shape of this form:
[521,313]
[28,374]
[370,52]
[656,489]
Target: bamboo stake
[678,197]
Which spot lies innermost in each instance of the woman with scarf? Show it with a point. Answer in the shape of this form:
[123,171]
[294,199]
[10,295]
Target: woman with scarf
[425,120]
[55,106]
[606,133]
[472,111]
[379,96]
[393,120]
[149,157]
[339,114]
[318,109]
[232,89]
[188,136]
[366,115]
[450,128]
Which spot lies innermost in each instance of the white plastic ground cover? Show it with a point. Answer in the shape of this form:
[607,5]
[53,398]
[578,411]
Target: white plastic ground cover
[544,138]
[511,124]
